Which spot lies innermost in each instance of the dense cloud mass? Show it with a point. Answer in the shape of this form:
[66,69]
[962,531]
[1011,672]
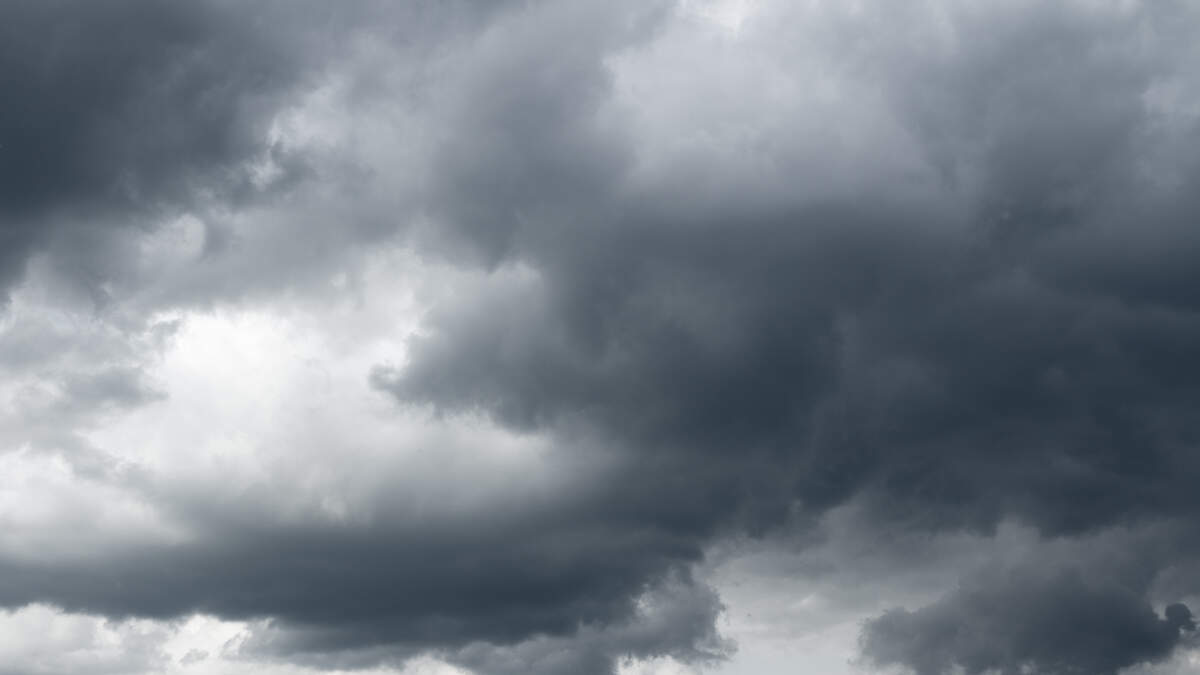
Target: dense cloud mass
[118,111]
[1037,622]
[366,335]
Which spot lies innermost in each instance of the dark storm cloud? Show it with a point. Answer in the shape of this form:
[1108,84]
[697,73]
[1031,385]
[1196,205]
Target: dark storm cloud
[1010,336]
[949,361]
[677,621]
[584,586]
[121,116]
[1040,621]
[501,580]
[526,577]
[117,111]
[1001,328]
[121,102]
[675,617]
[156,106]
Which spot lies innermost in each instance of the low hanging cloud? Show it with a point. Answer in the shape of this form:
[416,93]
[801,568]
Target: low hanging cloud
[470,331]
[1029,621]
[114,114]
[950,338]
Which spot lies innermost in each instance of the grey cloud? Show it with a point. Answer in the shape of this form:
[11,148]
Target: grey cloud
[538,574]
[116,112]
[65,374]
[929,355]
[350,594]
[675,617]
[995,325]
[992,338]
[43,641]
[677,620]
[125,117]
[1031,621]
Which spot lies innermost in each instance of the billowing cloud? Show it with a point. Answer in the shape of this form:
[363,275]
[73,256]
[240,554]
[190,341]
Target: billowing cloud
[116,113]
[476,332]
[1038,622]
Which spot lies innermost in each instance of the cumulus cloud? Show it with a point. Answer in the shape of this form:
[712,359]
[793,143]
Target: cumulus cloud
[476,330]
[1034,621]
[116,112]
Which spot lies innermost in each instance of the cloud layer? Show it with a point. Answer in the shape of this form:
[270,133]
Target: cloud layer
[473,331]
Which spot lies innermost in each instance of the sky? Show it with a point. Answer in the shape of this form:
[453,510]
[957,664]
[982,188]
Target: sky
[599,337]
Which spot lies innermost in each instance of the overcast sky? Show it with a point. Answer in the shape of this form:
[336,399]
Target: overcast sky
[599,337]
